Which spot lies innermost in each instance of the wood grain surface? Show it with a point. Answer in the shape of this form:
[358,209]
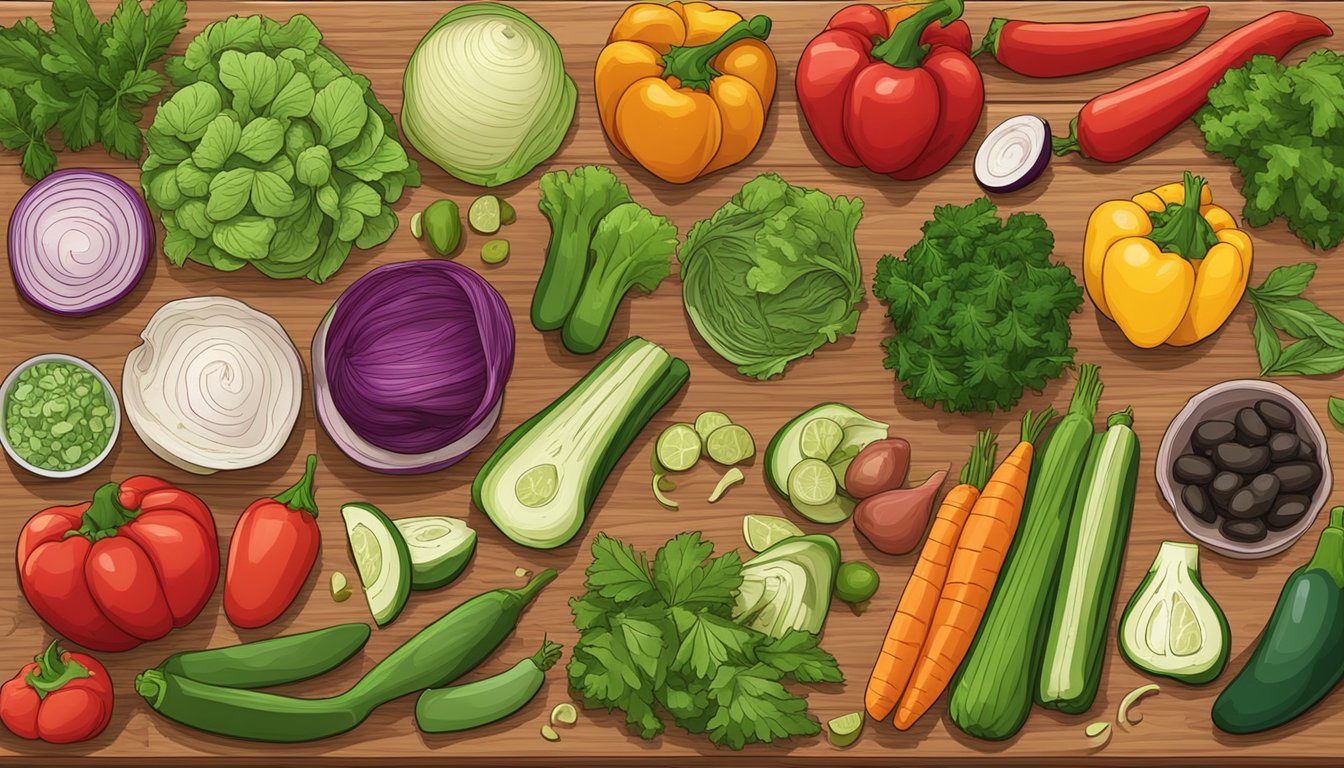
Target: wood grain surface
[375,38]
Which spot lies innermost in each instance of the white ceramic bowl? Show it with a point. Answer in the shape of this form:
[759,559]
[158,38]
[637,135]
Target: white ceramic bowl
[1222,401]
[112,398]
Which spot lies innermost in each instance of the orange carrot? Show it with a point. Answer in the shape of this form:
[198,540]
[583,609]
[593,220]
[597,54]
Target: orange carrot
[984,542]
[910,624]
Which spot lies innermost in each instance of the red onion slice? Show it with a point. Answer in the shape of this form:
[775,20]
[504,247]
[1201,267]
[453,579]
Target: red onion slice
[79,241]
[1013,155]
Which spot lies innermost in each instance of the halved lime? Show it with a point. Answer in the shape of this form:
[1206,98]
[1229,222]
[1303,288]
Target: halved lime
[709,421]
[1186,635]
[811,482]
[845,729]
[764,531]
[819,438]
[855,582]
[731,444]
[537,485]
[678,447]
[484,214]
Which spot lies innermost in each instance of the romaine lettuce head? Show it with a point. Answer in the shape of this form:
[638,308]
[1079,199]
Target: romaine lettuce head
[773,274]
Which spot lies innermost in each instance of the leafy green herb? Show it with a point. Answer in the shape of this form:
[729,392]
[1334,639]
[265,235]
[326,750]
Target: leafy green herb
[1283,127]
[273,153]
[87,80]
[981,313]
[1336,409]
[773,274]
[1279,307]
[657,640]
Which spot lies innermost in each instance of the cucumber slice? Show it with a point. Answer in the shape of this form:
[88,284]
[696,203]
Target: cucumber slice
[731,444]
[709,421]
[440,548]
[381,557]
[484,214]
[812,483]
[678,447]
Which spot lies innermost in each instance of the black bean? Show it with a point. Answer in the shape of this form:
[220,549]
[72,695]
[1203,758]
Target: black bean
[1244,530]
[1251,429]
[1276,416]
[1288,509]
[1306,451]
[1193,469]
[1211,433]
[1298,476]
[1255,499]
[1196,499]
[1223,487]
[1283,446]
[1235,457]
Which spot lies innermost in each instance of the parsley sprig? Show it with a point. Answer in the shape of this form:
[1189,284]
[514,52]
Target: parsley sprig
[658,640]
[84,79]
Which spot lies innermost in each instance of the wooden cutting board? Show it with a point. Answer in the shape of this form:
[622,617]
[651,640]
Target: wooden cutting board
[375,38]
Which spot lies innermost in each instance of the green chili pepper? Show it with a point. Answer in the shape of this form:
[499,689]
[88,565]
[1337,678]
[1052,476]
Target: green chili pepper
[463,707]
[278,660]
[435,656]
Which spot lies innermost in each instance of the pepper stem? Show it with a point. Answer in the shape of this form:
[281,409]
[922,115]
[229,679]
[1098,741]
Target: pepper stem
[299,497]
[53,672]
[692,65]
[990,42]
[104,515]
[1329,555]
[1181,229]
[902,48]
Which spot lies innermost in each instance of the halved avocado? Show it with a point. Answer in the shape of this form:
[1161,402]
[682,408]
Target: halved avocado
[785,451]
[381,558]
[440,548]
[788,586]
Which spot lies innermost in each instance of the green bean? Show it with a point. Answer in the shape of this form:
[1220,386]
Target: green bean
[278,660]
[463,707]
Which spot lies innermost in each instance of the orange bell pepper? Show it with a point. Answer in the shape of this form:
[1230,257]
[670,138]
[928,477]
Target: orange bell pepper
[683,89]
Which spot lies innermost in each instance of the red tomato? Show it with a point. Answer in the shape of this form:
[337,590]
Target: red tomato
[61,698]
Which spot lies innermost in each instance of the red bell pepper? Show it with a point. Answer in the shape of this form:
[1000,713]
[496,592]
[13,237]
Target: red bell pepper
[138,561]
[904,105]
[1063,48]
[273,549]
[60,697]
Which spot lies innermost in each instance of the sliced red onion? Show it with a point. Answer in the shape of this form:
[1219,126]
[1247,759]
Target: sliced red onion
[1014,154]
[79,241]
[409,366]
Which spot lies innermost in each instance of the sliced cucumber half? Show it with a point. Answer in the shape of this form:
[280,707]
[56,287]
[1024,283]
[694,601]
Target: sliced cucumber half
[440,548]
[381,557]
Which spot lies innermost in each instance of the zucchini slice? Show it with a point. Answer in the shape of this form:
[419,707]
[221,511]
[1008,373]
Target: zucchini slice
[440,548]
[381,557]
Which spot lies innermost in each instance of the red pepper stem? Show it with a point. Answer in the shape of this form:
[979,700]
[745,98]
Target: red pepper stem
[990,42]
[692,65]
[902,48]
[104,515]
[53,672]
[1069,143]
[299,497]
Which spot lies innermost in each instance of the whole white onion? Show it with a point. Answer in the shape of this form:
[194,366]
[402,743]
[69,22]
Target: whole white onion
[215,385]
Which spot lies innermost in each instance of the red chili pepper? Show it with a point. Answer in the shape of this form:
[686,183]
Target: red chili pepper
[273,549]
[61,698]
[904,105]
[1059,49]
[137,561]
[1118,125]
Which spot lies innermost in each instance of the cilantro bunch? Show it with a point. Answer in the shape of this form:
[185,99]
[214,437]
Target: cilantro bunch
[84,79]
[1283,127]
[981,313]
[659,641]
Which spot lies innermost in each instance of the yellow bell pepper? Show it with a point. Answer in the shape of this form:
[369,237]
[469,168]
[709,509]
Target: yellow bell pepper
[1167,271]
[684,89]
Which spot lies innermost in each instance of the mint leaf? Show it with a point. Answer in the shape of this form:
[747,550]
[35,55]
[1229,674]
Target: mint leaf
[1310,357]
[1267,344]
[1285,282]
[1335,407]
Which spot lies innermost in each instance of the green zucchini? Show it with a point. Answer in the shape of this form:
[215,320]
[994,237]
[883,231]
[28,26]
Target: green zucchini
[274,661]
[1300,657]
[992,692]
[1095,547]
[539,484]
[1172,626]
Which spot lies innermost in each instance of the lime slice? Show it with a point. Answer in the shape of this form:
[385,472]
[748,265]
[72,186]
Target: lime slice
[819,438]
[730,445]
[564,713]
[709,421]
[812,483]
[845,729]
[495,251]
[537,485]
[678,447]
[484,214]
[855,582]
[1186,636]
[764,531]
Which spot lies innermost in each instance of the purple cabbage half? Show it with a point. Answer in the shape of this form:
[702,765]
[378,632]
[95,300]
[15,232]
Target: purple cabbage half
[409,366]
